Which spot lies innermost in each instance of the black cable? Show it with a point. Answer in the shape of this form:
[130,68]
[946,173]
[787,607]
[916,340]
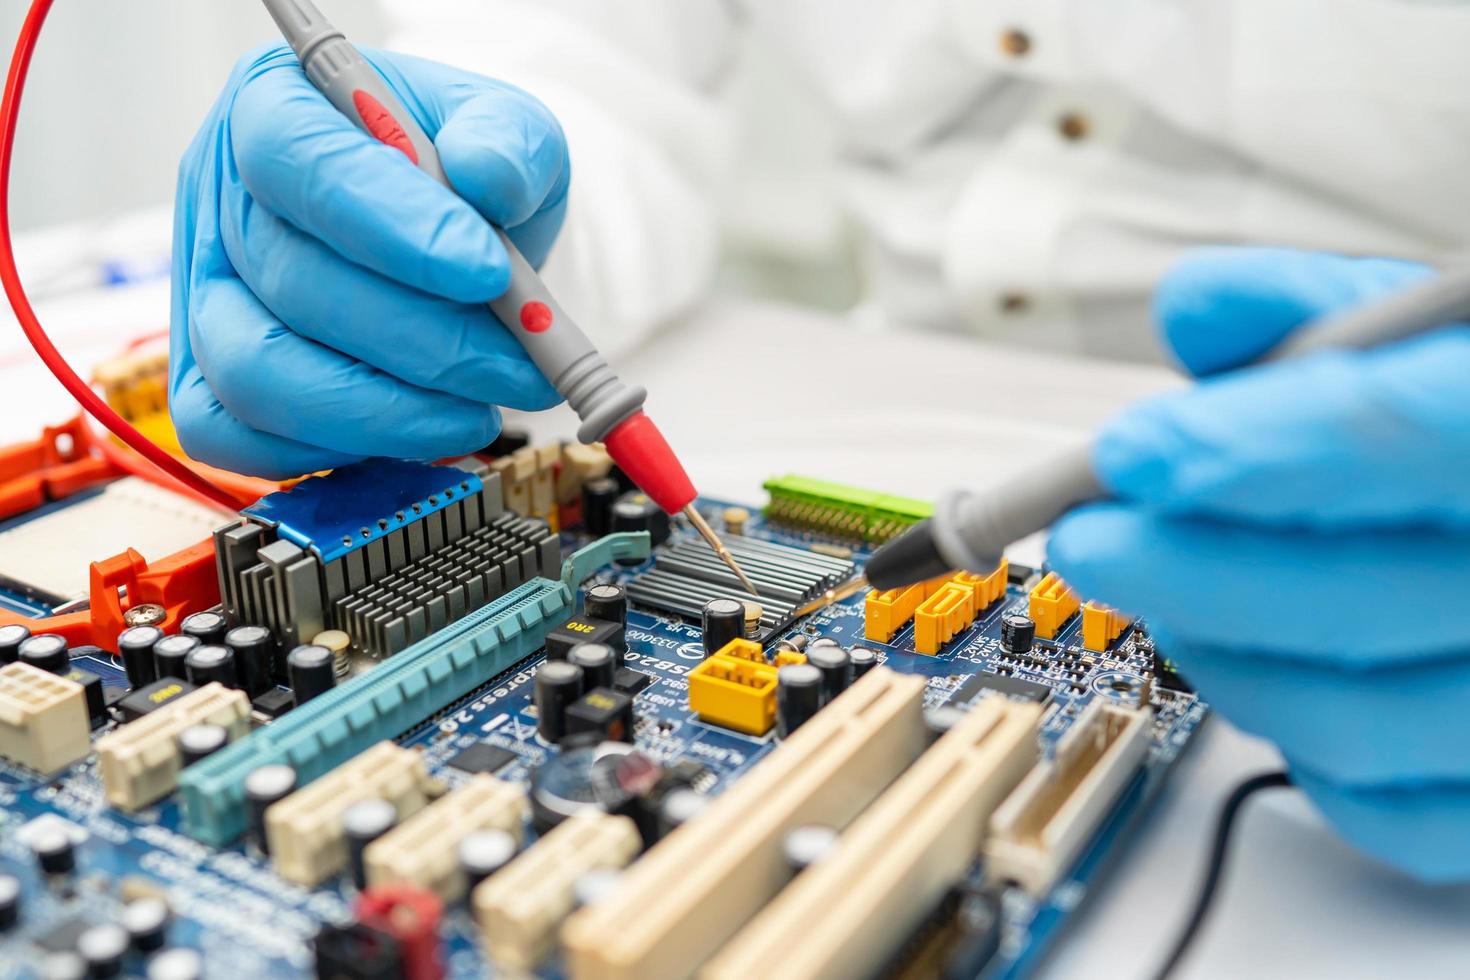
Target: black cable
[1215,870]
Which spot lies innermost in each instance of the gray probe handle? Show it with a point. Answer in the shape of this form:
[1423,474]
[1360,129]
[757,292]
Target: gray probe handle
[971,530]
[556,344]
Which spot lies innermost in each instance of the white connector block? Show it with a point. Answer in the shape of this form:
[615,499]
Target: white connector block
[520,906]
[1039,831]
[43,718]
[140,761]
[305,833]
[422,850]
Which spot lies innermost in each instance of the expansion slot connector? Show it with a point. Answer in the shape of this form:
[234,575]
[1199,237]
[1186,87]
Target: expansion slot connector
[695,889]
[849,513]
[1039,831]
[896,861]
[519,907]
[380,704]
[140,761]
[307,840]
[421,850]
[43,718]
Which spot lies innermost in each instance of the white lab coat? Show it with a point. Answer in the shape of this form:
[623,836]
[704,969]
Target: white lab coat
[1021,169]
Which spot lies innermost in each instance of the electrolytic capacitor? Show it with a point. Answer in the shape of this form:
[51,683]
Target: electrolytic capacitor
[176,964]
[170,653]
[1017,633]
[265,786]
[599,662]
[9,901]
[805,845]
[11,637]
[55,852]
[203,739]
[638,512]
[836,668]
[558,684]
[863,659]
[606,602]
[64,964]
[598,496]
[941,719]
[135,647]
[594,886]
[798,696]
[47,651]
[825,641]
[722,620]
[482,853]
[209,663]
[255,649]
[103,947]
[678,807]
[309,670]
[206,627]
[146,920]
[362,823]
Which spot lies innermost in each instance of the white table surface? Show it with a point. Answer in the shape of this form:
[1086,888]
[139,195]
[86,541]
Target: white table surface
[746,391]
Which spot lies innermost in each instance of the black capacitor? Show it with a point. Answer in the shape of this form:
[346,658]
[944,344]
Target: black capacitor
[146,920]
[47,651]
[941,719]
[55,852]
[638,512]
[1017,633]
[170,653]
[678,807]
[103,947]
[598,496]
[836,666]
[9,901]
[807,844]
[265,786]
[198,741]
[863,660]
[11,637]
[798,696]
[482,853]
[135,646]
[310,672]
[599,663]
[362,823]
[180,963]
[206,627]
[722,620]
[608,602]
[64,964]
[255,649]
[209,663]
[559,683]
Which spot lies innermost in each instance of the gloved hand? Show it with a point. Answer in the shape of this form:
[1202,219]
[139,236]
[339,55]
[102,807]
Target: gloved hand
[1298,537]
[328,298]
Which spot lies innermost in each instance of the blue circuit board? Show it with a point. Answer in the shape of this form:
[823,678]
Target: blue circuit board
[248,922]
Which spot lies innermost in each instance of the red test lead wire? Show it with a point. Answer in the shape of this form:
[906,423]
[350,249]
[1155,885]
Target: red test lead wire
[9,112]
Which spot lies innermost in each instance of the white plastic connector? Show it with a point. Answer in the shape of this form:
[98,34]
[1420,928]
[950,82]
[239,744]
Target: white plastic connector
[43,718]
[140,761]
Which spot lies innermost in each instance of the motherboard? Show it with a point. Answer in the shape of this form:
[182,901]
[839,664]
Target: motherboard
[502,716]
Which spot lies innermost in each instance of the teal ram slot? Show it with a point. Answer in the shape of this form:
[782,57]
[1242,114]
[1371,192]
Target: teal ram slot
[383,703]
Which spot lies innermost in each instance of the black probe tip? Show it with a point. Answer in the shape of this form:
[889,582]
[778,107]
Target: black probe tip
[909,558]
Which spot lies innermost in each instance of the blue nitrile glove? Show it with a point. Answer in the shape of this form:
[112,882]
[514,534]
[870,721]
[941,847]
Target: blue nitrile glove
[1299,537]
[329,297]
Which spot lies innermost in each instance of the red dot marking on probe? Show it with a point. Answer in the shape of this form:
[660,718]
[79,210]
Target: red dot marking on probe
[536,317]
[381,124]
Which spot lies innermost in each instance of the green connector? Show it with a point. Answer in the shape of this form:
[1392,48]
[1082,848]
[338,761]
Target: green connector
[849,513]
[381,704]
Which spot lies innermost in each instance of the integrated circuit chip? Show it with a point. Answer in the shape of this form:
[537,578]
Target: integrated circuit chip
[481,757]
[1013,686]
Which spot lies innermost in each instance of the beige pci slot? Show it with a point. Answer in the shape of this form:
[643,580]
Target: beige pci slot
[305,829]
[140,761]
[519,907]
[896,861]
[43,718]
[694,889]
[421,850]
[1038,832]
